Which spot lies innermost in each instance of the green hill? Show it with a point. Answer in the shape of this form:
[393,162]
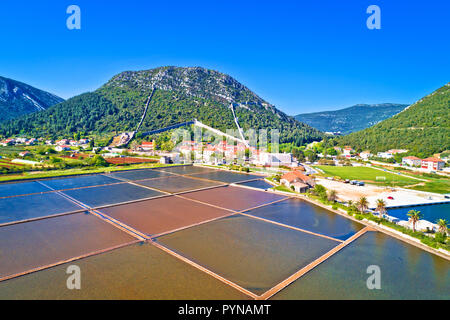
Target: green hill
[423,128]
[181,94]
[351,119]
[17,99]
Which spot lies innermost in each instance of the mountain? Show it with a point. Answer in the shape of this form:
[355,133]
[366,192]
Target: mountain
[17,98]
[423,128]
[355,118]
[181,94]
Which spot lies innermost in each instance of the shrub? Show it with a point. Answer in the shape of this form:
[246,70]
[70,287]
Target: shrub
[440,237]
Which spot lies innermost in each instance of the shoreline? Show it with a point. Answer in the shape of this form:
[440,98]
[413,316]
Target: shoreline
[389,231]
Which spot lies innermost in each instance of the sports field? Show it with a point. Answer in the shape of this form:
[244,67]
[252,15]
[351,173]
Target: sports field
[367,174]
[191,232]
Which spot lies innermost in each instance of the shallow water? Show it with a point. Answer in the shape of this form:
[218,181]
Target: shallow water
[234,198]
[163,215]
[138,174]
[39,243]
[113,194]
[15,189]
[304,215]
[259,184]
[34,206]
[407,272]
[134,272]
[252,253]
[224,176]
[186,169]
[178,184]
[79,182]
[430,213]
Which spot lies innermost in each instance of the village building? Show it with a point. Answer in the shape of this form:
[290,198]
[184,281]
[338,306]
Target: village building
[299,181]
[432,164]
[275,159]
[31,142]
[147,146]
[385,155]
[7,142]
[348,152]
[169,157]
[24,154]
[396,151]
[365,155]
[60,148]
[411,161]
[62,142]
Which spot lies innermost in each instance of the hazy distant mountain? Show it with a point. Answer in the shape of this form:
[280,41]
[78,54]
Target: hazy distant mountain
[17,98]
[352,119]
[423,128]
[182,94]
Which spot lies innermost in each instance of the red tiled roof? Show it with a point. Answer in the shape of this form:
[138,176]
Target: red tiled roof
[293,175]
[432,160]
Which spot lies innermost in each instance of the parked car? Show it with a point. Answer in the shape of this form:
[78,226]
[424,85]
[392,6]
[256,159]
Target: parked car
[361,184]
[390,198]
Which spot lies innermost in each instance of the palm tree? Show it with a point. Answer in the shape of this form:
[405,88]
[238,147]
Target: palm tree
[332,195]
[443,226]
[362,204]
[381,207]
[414,216]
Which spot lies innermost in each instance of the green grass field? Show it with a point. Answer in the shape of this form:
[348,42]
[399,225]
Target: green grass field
[387,178]
[368,175]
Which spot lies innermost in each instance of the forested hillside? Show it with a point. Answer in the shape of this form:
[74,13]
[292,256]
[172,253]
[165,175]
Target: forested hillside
[352,119]
[423,128]
[181,94]
[17,99]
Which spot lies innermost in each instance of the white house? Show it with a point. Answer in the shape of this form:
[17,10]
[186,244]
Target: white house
[62,148]
[365,155]
[347,151]
[385,155]
[411,161]
[432,164]
[275,159]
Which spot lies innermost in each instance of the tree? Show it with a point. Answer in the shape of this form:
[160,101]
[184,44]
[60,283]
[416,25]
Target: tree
[298,154]
[167,145]
[320,191]
[414,217]
[311,155]
[362,204]
[332,195]
[99,161]
[381,207]
[442,225]
[331,152]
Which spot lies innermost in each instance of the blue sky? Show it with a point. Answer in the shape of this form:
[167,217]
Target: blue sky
[302,56]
